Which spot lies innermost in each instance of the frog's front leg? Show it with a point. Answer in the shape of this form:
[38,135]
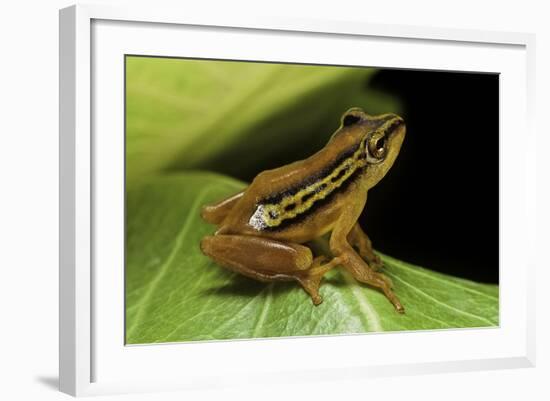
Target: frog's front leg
[349,259]
[267,260]
[359,239]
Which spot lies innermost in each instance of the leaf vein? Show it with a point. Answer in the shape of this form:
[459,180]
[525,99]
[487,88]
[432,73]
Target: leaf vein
[263,313]
[471,315]
[143,303]
[400,265]
[373,319]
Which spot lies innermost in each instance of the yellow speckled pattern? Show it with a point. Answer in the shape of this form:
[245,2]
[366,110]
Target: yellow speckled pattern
[273,214]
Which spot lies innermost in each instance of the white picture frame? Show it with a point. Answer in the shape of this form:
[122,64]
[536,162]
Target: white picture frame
[93,358]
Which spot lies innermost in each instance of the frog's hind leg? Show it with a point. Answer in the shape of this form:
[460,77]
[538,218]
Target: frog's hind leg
[360,240]
[216,212]
[267,260]
[311,278]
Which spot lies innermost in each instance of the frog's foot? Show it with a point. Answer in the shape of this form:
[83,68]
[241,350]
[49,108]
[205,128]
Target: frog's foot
[383,282]
[311,279]
[365,274]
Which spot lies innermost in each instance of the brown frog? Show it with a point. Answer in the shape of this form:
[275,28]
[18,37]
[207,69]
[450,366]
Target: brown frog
[262,230]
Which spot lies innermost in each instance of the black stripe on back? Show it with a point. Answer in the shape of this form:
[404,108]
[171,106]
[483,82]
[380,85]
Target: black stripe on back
[327,170]
[318,204]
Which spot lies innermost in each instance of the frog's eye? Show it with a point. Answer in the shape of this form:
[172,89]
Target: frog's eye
[377,146]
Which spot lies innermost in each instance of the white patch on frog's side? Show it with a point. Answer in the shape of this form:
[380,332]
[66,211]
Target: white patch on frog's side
[257,220]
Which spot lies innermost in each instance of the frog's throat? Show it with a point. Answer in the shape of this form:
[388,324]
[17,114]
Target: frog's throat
[283,208]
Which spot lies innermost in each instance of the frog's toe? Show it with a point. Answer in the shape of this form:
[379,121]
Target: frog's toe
[317,300]
[310,283]
[376,263]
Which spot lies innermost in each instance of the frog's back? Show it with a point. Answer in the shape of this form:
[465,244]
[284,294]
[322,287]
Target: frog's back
[299,201]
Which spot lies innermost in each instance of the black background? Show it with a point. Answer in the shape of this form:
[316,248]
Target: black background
[439,204]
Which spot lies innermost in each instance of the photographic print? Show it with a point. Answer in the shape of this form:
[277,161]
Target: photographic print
[278,200]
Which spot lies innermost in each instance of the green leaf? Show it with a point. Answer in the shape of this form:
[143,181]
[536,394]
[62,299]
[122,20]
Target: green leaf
[220,115]
[174,293]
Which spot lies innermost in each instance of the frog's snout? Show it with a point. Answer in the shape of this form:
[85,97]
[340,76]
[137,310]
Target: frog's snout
[396,128]
[392,123]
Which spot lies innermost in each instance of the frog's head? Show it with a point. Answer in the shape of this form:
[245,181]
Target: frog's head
[380,136]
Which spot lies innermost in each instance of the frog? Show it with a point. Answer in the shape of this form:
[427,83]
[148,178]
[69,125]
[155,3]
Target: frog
[263,231]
